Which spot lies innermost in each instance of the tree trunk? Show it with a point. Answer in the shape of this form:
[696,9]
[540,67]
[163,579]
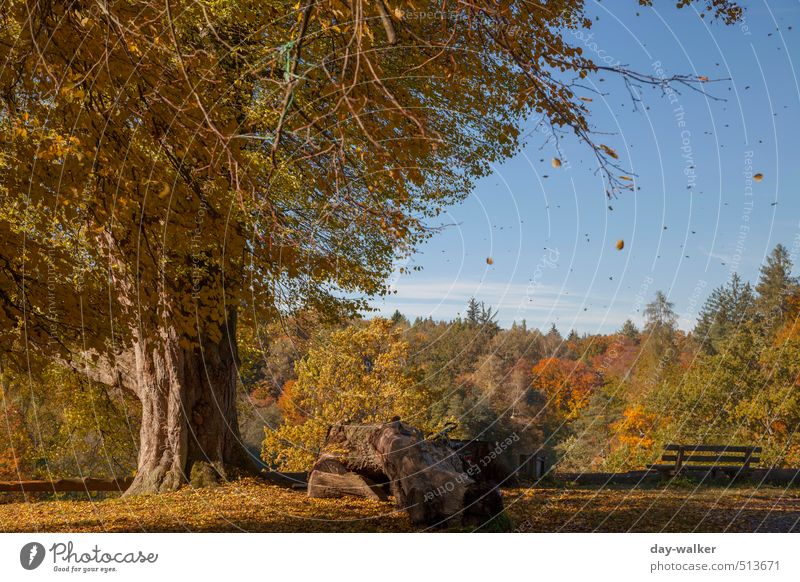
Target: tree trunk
[428,479]
[190,431]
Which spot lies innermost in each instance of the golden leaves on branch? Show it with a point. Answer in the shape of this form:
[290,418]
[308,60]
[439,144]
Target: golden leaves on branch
[609,151]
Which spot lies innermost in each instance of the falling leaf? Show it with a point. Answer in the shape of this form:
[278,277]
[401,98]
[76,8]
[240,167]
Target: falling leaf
[556,163]
[620,244]
[489,261]
[627,178]
[587,99]
[609,151]
[758,177]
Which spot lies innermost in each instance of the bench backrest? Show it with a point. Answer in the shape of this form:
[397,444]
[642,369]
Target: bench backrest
[680,454]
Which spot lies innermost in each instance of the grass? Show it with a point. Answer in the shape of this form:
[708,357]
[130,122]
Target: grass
[252,506]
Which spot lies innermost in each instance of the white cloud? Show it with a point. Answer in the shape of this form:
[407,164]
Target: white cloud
[539,304]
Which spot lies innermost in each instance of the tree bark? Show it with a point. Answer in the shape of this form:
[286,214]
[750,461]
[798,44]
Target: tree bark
[428,479]
[190,431]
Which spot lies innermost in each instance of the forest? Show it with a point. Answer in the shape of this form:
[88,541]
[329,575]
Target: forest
[591,402]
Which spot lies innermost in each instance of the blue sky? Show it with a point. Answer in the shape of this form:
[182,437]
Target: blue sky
[549,231]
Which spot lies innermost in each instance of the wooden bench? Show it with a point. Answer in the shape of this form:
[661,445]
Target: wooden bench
[733,461]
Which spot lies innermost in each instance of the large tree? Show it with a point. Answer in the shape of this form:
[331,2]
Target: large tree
[168,163]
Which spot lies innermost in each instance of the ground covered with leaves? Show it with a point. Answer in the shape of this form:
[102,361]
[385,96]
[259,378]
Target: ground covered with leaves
[252,506]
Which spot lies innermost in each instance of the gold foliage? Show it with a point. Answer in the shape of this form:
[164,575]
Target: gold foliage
[357,375]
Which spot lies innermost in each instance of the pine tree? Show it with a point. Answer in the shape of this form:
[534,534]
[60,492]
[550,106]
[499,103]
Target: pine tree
[774,287]
[399,318]
[629,330]
[473,311]
[488,318]
[723,312]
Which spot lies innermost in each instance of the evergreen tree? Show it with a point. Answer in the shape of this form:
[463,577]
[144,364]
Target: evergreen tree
[723,312]
[473,311]
[488,318]
[774,287]
[480,315]
[399,318]
[629,330]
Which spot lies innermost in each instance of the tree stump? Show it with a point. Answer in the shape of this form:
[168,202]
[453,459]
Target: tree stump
[428,479]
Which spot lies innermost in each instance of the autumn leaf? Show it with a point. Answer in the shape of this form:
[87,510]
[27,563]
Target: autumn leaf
[609,151]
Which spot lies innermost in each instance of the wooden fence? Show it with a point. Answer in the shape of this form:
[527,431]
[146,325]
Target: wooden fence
[63,485]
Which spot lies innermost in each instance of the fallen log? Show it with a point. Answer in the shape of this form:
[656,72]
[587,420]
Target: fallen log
[331,478]
[428,479]
[64,485]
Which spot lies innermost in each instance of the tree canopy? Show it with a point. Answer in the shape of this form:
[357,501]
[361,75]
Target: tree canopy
[171,160]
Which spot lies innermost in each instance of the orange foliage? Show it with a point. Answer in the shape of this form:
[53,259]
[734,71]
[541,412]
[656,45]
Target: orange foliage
[566,383]
[287,405]
[635,427]
[261,394]
[791,329]
[617,356]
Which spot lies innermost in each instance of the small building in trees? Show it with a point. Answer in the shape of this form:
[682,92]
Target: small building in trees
[502,461]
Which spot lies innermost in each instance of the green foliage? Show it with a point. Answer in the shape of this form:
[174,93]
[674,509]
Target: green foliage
[724,310]
[775,285]
[479,314]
